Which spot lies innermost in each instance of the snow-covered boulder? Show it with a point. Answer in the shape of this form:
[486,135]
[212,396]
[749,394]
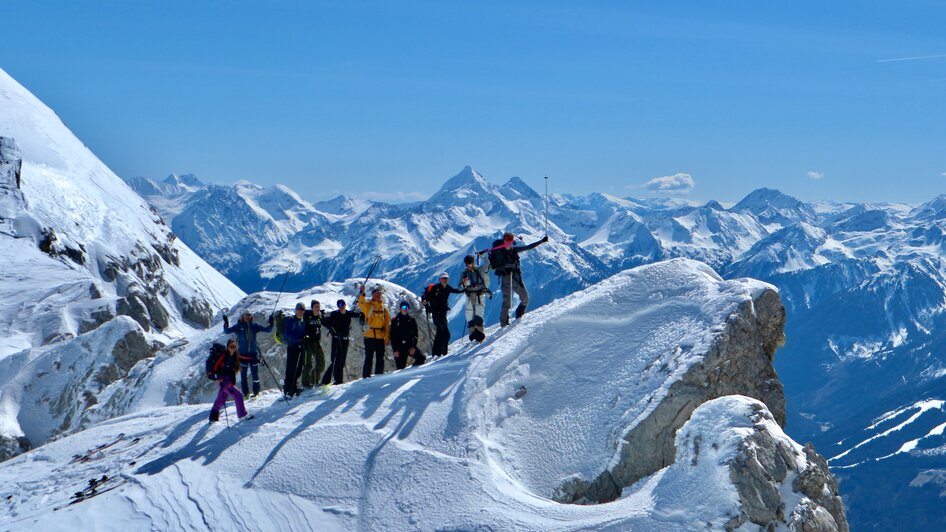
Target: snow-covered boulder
[481,439]
[777,481]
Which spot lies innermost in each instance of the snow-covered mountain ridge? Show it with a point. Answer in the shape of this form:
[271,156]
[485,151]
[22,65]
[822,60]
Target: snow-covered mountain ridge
[864,284]
[520,420]
[91,280]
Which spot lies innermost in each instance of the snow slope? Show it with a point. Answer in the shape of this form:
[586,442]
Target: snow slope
[477,440]
[78,250]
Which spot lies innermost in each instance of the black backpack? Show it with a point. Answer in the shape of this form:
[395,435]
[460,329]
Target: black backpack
[215,360]
[499,259]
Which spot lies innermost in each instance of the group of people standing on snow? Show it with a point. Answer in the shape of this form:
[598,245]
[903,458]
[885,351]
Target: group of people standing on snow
[302,331]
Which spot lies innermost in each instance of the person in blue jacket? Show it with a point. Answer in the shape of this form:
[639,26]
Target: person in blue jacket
[293,333]
[246,332]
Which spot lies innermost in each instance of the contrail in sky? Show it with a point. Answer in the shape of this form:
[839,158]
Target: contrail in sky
[917,58]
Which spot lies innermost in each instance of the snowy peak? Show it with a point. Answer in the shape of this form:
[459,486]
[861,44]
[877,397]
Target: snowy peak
[932,210]
[189,180]
[520,189]
[465,185]
[773,207]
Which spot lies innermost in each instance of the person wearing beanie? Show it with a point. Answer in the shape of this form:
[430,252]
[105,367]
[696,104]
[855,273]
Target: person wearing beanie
[338,324]
[293,333]
[246,332]
[474,281]
[313,356]
[404,337]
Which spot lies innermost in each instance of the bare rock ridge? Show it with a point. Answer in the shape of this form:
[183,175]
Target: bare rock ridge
[739,362]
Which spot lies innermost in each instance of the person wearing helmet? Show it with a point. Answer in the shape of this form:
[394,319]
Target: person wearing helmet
[504,259]
[377,330]
[404,337]
[436,302]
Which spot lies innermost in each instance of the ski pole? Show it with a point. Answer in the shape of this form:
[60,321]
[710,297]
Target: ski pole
[374,265]
[209,291]
[546,205]
[273,375]
[430,335]
[226,414]
[284,279]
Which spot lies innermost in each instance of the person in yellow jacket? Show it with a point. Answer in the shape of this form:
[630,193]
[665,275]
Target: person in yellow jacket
[377,330]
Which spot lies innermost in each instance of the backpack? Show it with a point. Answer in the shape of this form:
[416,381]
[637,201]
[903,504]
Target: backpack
[215,360]
[484,275]
[499,257]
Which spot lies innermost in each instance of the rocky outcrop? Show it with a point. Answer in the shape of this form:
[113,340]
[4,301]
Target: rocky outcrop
[11,163]
[738,362]
[197,311]
[68,378]
[778,482]
[10,446]
[766,464]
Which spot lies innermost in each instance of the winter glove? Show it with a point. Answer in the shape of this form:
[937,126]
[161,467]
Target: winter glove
[397,354]
[226,321]
[270,320]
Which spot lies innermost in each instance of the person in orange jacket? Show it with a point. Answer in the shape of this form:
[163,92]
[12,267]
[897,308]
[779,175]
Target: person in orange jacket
[377,330]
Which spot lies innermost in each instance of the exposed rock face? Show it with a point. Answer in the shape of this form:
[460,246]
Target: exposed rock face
[739,362]
[764,465]
[778,482]
[197,311]
[130,349]
[11,162]
[10,447]
[133,307]
[69,378]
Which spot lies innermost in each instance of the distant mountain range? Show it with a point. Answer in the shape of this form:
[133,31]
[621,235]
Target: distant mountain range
[864,286]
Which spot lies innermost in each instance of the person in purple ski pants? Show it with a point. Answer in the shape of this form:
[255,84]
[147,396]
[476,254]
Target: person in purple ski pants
[225,375]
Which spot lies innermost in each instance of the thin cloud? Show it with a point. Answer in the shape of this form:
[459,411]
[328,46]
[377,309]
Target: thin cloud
[815,175]
[672,184]
[914,58]
[391,197]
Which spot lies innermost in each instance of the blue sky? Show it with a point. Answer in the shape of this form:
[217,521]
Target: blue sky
[389,99]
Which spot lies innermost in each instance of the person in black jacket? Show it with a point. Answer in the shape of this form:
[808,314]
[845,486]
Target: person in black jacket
[293,333]
[404,338]
[436,301]
[312,345]
[223,372]
[338,324]
[505,260]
